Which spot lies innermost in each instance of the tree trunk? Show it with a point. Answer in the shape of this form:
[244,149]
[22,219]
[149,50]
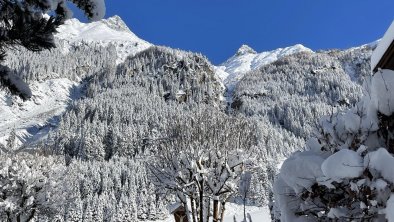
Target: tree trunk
[183,199]
[208,210]
[244,208]
[222,211]
[201,201]
[193,209]
[215,210]
[198,210]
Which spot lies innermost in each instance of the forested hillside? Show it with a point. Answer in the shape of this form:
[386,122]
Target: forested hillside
[294,92]
[127,108]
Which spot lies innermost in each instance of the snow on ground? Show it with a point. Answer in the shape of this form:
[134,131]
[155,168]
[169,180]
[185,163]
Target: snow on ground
[246,60]
[107,31]
[258,214]
[32,119]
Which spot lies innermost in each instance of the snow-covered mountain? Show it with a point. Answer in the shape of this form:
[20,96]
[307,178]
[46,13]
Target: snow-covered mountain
[246,59]
[110,39]
[107,31]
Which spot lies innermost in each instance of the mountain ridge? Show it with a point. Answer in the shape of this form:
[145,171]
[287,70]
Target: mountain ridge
[246,59]
[113,31]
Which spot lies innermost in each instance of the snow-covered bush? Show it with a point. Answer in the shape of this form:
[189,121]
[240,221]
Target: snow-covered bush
[346,172]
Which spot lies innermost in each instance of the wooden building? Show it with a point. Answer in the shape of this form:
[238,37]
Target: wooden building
[387,60]
[383,55]
[179,212]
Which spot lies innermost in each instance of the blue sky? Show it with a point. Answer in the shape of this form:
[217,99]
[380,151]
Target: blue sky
[217,28]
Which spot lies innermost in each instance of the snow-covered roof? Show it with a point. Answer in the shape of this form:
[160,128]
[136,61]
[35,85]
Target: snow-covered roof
[383,46]
[181,93]
[174,207]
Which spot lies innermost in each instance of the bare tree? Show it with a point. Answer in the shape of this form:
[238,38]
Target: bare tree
[202,161]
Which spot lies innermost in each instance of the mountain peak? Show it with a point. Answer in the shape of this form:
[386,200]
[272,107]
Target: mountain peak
[112,31]
[300,48]
[245,49]
[116,23]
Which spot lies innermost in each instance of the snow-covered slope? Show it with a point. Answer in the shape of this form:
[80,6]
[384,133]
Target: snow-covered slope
[107,31]
[247,59]
[32,119]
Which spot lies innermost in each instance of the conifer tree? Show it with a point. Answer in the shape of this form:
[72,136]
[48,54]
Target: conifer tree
[11,141]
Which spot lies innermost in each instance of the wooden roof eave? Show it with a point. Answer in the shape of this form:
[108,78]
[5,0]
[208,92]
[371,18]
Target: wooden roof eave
[387,60]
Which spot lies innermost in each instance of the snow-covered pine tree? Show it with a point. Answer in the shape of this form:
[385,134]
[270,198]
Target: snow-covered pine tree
[74,211]
[23,23]
[88,212]
[98,209]
[11,141]
[28,188]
